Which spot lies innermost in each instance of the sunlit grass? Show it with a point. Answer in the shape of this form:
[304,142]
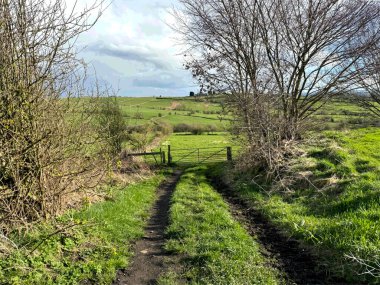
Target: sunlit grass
[337,208]
[215,248]
[93,250]
[185,140]
[174,111]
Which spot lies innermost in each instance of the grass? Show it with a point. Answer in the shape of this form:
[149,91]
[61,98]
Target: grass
[341,114]
[189,149]
[208,112]
[204,114]
[216,248]
[337,114]
[92,250]
[334,202]
[185,140]
[174,111]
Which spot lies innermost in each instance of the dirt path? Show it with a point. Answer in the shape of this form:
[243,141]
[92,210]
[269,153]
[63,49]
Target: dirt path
[296,262]
[149,258]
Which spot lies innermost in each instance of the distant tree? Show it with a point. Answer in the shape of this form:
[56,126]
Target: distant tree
[192,94]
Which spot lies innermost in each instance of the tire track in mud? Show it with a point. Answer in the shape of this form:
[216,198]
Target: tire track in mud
[150,256]
[298,264]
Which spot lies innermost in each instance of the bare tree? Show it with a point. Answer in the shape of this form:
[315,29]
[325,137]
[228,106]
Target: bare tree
[277,61]
[368,95]
[313,48]
[47,139]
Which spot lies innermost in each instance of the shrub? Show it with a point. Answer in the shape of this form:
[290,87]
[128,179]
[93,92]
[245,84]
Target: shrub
[139,141]
[181,128]
[135,129]
[211,128]
[197,129]
[355,121]
[138,115]
[112,126]
[162,128]
[48,147]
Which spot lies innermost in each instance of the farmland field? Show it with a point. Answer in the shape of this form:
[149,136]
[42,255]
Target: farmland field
[338,114]
[174,111]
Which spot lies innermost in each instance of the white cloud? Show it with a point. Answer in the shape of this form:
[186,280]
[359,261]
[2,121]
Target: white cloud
[133,40]
[139,54]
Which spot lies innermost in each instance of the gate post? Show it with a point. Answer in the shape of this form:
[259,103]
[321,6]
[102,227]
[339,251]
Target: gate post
[229,153]
[163,157]
[169,156]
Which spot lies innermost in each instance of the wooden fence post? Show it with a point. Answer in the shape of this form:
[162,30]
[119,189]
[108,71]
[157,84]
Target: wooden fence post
[163,157]
[229,153]
[169,156]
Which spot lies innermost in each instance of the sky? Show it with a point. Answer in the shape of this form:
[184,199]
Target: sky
[133,48]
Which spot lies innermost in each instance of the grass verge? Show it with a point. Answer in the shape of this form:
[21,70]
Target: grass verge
[332,202]
[89,245]
[216,248]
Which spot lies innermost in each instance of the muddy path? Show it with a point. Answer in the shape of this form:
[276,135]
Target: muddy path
[297,263]
[150,256]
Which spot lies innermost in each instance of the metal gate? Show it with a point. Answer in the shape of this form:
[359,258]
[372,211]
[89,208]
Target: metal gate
[199,155]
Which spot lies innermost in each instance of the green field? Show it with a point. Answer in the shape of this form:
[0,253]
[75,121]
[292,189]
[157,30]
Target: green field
[184,140]
[340,114]
[203,112]
[337,114]
[174,111]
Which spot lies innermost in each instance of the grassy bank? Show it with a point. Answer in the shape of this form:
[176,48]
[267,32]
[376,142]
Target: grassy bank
[332,201]
[216,249]
[87,245]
